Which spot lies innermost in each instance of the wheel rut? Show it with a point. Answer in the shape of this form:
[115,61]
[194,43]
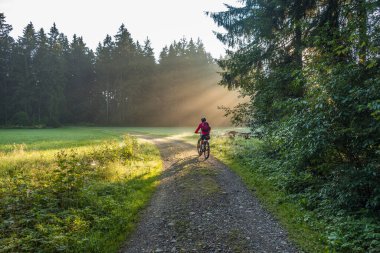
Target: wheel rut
[201,206]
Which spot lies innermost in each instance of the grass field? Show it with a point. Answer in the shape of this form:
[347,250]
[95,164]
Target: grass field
[73,189]
[68,137]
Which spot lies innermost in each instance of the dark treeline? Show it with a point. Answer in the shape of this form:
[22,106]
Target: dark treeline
[311,70]
[45,79]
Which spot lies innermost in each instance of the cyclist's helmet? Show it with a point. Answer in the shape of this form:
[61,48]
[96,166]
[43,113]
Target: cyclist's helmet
[203,119]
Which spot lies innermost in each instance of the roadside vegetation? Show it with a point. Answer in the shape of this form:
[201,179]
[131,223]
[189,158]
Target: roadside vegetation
[313,219]
[311,72]
[76,199]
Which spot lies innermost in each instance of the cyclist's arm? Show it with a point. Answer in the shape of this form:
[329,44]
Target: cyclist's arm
[197,130]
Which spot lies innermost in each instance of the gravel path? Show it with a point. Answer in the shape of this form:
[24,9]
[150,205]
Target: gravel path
[201,206]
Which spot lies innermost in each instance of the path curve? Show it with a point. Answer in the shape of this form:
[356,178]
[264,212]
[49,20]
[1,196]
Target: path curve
[201,206]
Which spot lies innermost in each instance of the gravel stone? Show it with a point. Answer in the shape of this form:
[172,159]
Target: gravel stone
[202,206]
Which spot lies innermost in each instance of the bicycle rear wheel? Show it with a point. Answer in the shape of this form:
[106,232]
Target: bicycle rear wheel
[199,147]
[207,150]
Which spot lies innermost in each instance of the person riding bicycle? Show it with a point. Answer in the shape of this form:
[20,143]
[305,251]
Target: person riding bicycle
[205,129]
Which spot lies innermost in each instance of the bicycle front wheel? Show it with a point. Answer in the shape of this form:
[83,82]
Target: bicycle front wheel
[207,150]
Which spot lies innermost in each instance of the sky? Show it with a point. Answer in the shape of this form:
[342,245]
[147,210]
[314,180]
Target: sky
[163,21]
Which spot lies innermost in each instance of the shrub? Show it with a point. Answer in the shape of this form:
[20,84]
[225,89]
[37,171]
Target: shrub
[21,119]
[77,202]
[343,198]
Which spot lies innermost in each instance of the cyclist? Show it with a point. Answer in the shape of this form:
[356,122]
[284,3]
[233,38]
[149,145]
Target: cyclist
[205,129]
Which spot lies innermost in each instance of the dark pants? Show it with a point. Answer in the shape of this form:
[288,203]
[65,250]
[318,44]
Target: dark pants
[205,137]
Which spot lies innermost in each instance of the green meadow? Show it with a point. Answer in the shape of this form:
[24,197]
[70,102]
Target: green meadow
[73,189]
[69,137]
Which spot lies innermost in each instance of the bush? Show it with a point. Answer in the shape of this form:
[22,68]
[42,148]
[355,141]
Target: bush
[77,202]
[21,119]
[344,199]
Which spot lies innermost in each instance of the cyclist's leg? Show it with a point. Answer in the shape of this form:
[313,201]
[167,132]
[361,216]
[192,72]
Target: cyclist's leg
[203,137]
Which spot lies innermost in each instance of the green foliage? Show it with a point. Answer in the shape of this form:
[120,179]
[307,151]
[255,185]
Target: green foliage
[81,200]
[21,119]
[314,218]
[310,69]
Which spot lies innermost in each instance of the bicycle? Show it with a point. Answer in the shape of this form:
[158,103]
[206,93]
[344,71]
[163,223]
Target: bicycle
[203,147]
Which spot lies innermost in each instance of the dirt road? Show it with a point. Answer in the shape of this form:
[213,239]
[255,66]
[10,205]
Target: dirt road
[201,206]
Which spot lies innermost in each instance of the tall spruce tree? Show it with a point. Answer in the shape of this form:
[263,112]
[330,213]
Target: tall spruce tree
[6,45]
[104,93]
[57,76]
[125,56]
[24,102]
[43,76]
[80,81]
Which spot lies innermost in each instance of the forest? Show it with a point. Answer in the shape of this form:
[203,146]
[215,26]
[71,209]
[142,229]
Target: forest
[311,71]
[48,80]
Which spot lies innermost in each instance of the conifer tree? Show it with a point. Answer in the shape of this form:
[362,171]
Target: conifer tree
[42,68]
[24,74]
[80,81]
[125,56]
[6,45]
[57,69]
[104,92]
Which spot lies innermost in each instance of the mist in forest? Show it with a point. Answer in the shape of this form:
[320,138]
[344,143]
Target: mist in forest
[186,106]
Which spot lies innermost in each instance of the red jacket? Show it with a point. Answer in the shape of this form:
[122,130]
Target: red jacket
[202,126]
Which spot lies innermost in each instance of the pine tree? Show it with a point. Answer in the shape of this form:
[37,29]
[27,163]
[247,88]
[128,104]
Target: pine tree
[104,92]
[126,80]
[57,69]
[163,55]
[42,68]
[148,51]
[80,81]
[24,101]
[6,45]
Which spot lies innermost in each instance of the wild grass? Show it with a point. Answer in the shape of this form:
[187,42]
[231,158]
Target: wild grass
[73,197]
